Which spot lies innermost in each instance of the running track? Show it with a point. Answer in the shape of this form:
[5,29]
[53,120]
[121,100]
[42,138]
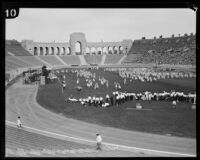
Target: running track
[21,100]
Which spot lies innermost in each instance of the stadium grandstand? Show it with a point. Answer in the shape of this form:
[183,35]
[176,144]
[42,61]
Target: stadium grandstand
[71,59]
[174,50]
[93,59]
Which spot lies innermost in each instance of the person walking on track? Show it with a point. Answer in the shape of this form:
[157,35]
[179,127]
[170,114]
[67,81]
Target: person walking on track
[19,123]
[99,141]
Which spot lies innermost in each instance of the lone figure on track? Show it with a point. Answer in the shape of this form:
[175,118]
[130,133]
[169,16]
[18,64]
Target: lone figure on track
[99,141]
[19,123]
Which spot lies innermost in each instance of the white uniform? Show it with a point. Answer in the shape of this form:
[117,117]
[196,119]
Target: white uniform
[99,139]
[19,124]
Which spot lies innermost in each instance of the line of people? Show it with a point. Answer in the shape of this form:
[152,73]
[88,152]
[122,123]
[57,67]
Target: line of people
[149,75]
[117,98]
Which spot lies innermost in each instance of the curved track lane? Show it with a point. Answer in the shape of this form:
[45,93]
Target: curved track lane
[21,100]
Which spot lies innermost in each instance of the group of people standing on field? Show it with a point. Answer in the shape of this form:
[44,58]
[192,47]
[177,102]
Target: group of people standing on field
[117,98]
[149,75]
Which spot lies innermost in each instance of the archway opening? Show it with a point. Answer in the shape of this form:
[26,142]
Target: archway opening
[64,52]
[35,51]
[58,51]
[126,50]
[41,51]
[105,51]
[47,51]
[52,51]
[68,51]
[115,50]
[120,49]
[110,50]
[99,50]
[87,50]
[93,50]
[78,48]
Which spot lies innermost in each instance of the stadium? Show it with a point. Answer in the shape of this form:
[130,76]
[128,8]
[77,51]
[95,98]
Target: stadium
[139,95]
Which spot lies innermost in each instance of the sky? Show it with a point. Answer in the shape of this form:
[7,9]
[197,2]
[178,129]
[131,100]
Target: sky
[108,25]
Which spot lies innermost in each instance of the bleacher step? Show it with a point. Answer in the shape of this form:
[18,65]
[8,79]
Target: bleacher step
[82,60]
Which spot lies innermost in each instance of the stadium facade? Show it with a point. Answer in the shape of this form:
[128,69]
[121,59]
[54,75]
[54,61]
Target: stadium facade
[69,48]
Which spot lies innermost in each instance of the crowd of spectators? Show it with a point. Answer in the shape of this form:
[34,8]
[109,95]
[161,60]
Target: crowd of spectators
[175,50]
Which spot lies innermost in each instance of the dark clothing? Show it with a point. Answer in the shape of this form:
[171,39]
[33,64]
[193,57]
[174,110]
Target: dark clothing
[98,146]
[111,100]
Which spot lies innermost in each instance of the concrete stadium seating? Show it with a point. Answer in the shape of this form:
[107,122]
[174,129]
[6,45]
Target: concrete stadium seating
[112,59]
[16,61]
[17,49]
[7,54]
[71,59]
[52,60]
[132,58]
[93,59]
[31,60]
[11,66]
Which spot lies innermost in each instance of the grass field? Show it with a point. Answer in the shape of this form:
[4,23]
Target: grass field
[160,118]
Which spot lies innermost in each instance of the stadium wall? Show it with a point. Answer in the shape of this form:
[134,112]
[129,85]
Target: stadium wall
[68,48]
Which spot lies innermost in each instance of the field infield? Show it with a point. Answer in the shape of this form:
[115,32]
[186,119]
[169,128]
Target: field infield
[157,117]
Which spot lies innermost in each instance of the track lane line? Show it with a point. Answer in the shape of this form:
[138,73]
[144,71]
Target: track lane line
[109,144]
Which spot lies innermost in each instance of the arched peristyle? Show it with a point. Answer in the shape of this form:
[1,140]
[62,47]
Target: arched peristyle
[52,50]
[120,50]
[63,51]
[35,51]
[58,51]
[99,50]
[105,50]
[93,50]
[115,50]
[110,50]
[126,50]
[46,51]
[78,48]
[41,51]
[87,50]
[68,50]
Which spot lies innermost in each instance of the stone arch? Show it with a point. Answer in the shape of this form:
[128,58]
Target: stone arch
[52,51]
[46,50]
[105,50]
[93,50]
[115,49]
[87,50]
[35,51]
[68,50]
[110,50]
[77,37]
[120,49]
[58,51]
[126,50]
[78,50]
[64,51]
[99,50]
[41,51]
